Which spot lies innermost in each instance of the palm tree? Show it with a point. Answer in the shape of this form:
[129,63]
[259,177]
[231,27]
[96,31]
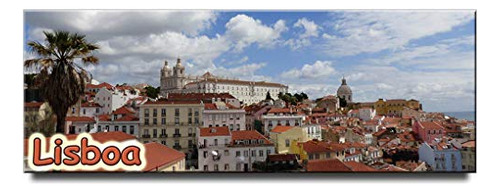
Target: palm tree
[62,81]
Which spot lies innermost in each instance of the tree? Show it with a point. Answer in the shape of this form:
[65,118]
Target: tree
[342,102]
[304,96]
[152,92]
[62,81]
[268,96]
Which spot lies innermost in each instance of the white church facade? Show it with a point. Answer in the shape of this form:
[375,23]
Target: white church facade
[175,81]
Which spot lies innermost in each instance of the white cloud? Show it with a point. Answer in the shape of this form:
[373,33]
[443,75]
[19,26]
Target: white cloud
[318,70]
[311,29]
[105,24]
[373,31]
[245,30]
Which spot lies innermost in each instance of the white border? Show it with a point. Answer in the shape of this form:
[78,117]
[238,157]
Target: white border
[487,86]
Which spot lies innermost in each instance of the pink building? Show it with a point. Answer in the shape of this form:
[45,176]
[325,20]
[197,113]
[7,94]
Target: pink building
[428,131]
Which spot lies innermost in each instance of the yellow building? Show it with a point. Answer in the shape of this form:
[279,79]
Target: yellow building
[314,149]
[395,107]
[468,153]
[171,123]
[283,136]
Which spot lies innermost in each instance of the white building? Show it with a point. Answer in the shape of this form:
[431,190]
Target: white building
[122,119]
[224,150]
[112,99]
[281,116]
[76,125]
[313,131]
[175,81]
[90,109]
[367,113]
[220,114]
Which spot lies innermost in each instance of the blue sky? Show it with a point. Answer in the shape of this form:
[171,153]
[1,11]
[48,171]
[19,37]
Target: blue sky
[424,55]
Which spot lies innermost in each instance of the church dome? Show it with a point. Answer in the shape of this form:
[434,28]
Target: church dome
[344,89]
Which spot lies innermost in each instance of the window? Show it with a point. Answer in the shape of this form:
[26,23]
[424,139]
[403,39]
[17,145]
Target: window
[124,129]
[226,152]
[287,143]
[205,154]
[163,121]
[116,128]
[177,112]
[163,112]
[154,121]
[131,129]
[205,167]
[155,112]
[99,128]
[311,157]
[226,167]
[238,153]
[155,132]
[216,167]
[261,153]
[253,153]
[216,142]
[328,155]
[146,112]
[146,121]
[163,142]
[245,153]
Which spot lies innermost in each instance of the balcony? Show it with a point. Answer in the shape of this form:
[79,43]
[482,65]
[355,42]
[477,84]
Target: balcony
[177,147]
[155,135]
[163,135]
[146,136]
[191,134]
[177,135]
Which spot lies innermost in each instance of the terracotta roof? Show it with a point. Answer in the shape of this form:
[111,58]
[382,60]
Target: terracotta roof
[315,146]
[328,165]
[239,82]
[101,137]
[198,96]
[281,129]
[80,119]
[101,85]
[214,131]
[104,117]
[123,111]
[248,135]
[210,106]
[282,157]
[158,155]
[359,167]
[279,110]
[172,102]
[33,104]
[430,125]
[128,118]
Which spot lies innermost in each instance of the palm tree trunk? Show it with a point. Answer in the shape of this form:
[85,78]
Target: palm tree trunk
[61,119]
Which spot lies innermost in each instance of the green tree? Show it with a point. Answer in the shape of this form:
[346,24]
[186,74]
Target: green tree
[62,80]
[342,102]
[152,92]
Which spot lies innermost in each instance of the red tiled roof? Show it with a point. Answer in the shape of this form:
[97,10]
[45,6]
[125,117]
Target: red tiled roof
[104,84]
[33,104]
[281,129]
[210,106]
[314,146]
[279,110]
[359,167]
[158,155]
[430,125]
[104,117]
[328,165]
[214,131]
[199,96]
[248,135]
[282,157]
[128,118]
[172,102]
[123,111]
[80,119]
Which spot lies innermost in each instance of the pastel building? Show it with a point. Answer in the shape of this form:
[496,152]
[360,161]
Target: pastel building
[284,136]
[441,156]
[220,149]
[428,131]
[281,116]
[220,114]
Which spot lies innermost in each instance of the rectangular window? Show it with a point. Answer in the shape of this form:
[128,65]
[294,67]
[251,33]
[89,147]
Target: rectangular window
[261,153]
[116,128]
[163,112]
[131,129]
[124,128]
[226,167]
[177,112]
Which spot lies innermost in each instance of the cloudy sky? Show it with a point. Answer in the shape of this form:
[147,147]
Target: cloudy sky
[424,55]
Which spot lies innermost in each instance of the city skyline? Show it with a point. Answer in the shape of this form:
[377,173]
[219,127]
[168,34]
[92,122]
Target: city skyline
[429,55]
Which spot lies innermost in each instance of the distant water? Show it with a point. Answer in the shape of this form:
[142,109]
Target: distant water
[469,115]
